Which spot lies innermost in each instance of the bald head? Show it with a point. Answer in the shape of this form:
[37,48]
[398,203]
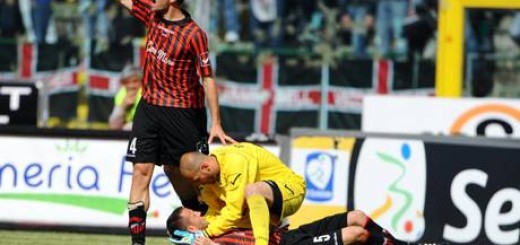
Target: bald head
[199,168]
[190,162]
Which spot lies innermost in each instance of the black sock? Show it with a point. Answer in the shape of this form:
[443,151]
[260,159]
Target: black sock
[137,222]
[372,226]
[375,239]
[380,234]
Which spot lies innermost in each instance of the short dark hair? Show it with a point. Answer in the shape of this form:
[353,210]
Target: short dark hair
[174,221]
[180,2]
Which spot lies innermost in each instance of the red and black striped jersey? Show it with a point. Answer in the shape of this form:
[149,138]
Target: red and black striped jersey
[245,237]
[176,54]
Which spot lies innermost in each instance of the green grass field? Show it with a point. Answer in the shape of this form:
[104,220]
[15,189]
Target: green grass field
[8,237]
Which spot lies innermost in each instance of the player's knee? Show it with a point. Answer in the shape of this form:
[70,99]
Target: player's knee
[356,217]
[143,170]
[354,234]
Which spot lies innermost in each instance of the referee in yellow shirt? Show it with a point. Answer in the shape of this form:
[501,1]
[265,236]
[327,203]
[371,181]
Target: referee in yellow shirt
[244,179]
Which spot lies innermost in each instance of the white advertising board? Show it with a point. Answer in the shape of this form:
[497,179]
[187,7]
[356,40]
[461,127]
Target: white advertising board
[390,185]
[79,182]
[442,116]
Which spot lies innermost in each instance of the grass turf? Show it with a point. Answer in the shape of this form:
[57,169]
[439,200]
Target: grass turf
[9,237]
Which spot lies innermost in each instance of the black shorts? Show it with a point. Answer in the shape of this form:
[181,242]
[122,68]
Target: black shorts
[162,134]
[326,231]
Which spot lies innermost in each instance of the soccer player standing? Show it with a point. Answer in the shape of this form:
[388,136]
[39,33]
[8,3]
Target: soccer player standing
[171,116]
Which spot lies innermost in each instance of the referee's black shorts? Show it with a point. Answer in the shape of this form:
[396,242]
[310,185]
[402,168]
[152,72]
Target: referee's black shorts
[161,134]
[326,231]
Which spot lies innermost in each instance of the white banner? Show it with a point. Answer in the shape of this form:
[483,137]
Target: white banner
[390,185]
[69,181]
[430,115]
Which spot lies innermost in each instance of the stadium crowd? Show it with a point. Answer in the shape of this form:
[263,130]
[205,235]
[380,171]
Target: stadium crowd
[368,27]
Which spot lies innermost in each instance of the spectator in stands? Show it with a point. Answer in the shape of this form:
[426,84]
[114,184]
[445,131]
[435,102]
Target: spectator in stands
[26,14]
[126,99]
[479,40]
[96,22]
[515,28]
[229,9]
[419,28]
[10,19]
[390,15]
[296,20]
[357,16]
[208,17]
[266,23]
[42,13]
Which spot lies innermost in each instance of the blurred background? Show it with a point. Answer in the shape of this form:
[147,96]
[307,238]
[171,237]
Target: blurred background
[378,96]
[286,53]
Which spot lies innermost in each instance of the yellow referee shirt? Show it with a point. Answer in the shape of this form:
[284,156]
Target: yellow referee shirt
[241,164]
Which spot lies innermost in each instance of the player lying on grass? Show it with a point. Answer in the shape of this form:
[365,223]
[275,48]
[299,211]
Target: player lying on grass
[354,227]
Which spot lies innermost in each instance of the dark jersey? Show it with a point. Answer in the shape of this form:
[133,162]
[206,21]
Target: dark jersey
[176,54]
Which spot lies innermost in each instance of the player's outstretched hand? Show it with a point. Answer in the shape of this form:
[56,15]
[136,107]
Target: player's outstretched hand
[217,131]
[159,5]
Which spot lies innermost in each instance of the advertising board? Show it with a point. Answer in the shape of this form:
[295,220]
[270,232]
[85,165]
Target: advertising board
[442,116]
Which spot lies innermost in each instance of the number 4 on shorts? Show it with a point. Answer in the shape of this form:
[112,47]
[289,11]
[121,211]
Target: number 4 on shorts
[132,148]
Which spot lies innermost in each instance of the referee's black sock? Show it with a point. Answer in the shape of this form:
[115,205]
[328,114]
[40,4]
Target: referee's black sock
[137,222]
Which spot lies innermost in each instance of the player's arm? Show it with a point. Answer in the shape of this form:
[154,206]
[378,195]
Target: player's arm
[237,175]
[210,88]
[211,199]
[199,46]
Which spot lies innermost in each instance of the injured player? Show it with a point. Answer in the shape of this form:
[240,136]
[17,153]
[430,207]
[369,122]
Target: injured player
[185,226]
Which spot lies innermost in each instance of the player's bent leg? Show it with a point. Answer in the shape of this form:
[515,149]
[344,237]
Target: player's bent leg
[262,189]
[377,234]
[293,192]
[256,197]
[354,235]
[139,201]
[184,189]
